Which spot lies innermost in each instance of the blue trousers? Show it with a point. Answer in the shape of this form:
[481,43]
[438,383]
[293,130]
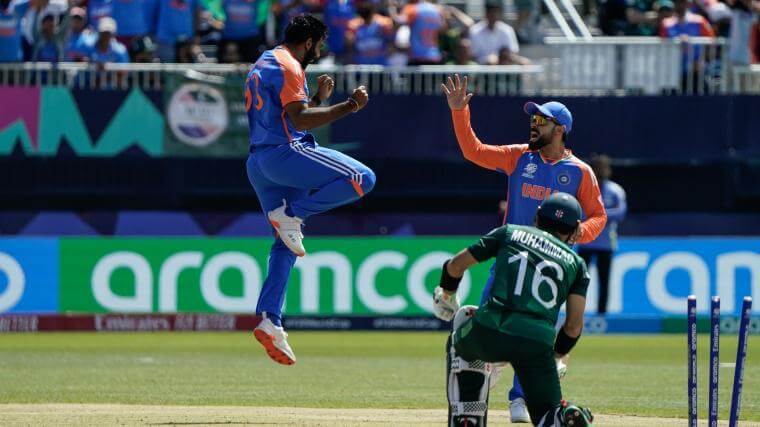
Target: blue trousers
[312,179]
[516,391]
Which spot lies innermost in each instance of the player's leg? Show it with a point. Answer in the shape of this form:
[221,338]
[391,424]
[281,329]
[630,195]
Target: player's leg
[281,259]
[536,368]
[329,178]
[345,181]
[603,262]
[518,408]
[272,296]
[467,378]
[518,411]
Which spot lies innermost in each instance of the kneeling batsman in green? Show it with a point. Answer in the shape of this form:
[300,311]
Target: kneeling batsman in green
[535,273]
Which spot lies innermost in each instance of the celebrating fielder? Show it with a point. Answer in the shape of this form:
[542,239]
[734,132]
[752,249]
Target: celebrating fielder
[536,171]
[293,176]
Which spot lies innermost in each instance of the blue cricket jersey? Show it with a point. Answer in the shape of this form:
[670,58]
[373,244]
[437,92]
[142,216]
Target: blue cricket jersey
[613,196]
[274,81]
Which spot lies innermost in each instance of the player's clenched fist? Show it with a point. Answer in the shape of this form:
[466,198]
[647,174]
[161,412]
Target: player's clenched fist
[361,97]
[456,92]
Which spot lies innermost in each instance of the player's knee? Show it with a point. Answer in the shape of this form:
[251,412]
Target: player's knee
[368,180]
[281,251]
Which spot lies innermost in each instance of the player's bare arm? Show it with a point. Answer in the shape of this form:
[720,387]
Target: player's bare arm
[305,117]
[570,332]
[576,304]
[460,263]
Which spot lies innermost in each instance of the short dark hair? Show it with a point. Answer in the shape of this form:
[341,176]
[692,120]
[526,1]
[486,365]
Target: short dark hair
[304,27]
[493,5]
[552,227]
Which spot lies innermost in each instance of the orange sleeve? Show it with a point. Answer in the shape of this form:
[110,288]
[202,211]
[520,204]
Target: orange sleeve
[495,157]
[590,198]
[293,83]
[706,29]
[409,13]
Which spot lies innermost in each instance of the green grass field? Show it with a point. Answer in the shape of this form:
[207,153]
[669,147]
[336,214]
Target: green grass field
[641,375]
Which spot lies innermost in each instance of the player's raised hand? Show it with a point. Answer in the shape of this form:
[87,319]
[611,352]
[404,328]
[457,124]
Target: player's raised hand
[456,92]
[360,96]
[325,86]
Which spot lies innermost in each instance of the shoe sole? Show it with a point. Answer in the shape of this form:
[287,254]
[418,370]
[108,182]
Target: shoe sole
[575,419]
[274,353]
[276,226]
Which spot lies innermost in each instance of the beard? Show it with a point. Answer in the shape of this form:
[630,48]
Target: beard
[309,57]
[539,143]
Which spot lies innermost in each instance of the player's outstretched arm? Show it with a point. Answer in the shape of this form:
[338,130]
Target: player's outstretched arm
[304,117]
[445,302]
[503,158]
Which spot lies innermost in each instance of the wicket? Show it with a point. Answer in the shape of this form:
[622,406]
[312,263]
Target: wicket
[741,355]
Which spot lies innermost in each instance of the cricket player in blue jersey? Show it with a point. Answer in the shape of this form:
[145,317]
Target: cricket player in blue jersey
[293,176]
[536,171]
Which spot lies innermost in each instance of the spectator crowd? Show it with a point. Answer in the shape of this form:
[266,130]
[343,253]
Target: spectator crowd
[385,32]
[360,31]
[736,20]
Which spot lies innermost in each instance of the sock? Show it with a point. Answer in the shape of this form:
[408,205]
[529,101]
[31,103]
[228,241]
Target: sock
[273,318]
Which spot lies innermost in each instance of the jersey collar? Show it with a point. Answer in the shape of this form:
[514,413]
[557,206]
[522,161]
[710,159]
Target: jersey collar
[565,155]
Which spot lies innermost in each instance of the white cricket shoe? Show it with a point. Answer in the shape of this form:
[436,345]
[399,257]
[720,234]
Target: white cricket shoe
[518,411]
[288,229]
[274,340]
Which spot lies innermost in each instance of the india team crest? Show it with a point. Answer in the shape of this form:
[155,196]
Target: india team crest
[529,170]
[559,213]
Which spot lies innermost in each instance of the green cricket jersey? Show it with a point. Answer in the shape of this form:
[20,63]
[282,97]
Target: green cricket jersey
[534,274]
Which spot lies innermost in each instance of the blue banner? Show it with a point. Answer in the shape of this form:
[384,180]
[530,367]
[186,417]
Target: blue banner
[29,275]
[654,276]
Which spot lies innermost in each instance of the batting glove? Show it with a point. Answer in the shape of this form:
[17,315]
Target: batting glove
[561,368]
[445,304]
